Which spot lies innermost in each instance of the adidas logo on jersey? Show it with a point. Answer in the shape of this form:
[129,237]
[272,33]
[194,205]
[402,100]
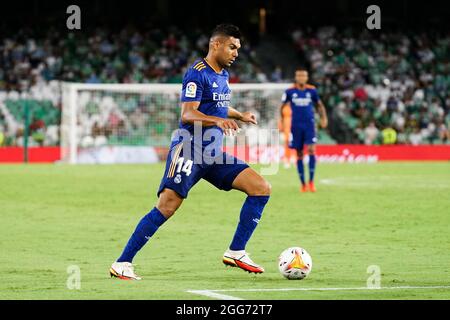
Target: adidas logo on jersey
[215,85]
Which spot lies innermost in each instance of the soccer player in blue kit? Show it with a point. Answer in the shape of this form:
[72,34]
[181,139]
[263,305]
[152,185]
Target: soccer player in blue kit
[302,98]
[196,153]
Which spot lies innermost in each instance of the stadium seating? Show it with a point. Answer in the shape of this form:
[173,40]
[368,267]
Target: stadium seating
[32,66]
[373,81]
[368,82]
[127,56]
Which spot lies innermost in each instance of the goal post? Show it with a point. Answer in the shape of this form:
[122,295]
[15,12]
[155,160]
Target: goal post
[117,123]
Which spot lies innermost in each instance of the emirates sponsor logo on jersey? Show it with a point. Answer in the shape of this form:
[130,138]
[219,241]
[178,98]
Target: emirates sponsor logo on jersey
[223,99]
[221,96]
[302,102]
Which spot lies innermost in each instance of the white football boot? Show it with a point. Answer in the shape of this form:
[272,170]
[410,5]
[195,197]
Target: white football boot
[241,260]
[124,271]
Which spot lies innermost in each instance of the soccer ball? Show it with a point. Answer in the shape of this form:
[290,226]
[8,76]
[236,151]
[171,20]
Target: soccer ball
[295,263]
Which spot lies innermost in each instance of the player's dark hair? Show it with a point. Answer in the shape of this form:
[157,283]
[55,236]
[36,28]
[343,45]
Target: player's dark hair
[226,29]
[301,69]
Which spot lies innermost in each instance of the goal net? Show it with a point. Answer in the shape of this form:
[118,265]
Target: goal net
[133,123]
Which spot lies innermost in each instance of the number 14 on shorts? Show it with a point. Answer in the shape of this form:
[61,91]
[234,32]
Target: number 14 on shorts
[184,166]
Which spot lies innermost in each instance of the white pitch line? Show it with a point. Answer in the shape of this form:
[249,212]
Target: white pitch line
[331,289]
[215,294]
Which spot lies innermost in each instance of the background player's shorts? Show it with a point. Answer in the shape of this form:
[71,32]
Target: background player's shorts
[301,136]
[181,174]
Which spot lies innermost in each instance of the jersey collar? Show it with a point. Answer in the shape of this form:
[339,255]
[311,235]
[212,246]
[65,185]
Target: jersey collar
[207,63]
[296,86]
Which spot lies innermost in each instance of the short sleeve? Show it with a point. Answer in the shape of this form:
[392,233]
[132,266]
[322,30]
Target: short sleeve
[285,97]
[192,89]
[315,96]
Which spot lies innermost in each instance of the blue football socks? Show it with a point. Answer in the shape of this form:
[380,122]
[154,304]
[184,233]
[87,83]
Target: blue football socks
[312,167]
[144,230]
[250,214]
[301,171]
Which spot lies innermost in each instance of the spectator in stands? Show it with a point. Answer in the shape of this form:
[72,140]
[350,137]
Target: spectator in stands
[415,137]
[371,133]
[2,136]
[389,136]
[277,75]
[37,131]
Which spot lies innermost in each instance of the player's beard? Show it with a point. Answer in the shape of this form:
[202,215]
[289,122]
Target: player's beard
[225,64]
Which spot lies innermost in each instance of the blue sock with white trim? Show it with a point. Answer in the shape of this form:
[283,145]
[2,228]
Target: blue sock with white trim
[143,232]
[251,212]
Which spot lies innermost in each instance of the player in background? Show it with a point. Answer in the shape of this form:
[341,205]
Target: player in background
[301,99]
[205,100]
[285,127]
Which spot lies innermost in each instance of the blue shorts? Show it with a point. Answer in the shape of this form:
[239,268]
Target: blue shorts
[182,173]
[301,136]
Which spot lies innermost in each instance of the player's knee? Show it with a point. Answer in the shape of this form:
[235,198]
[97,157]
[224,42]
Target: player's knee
[312,151]
[267,188]
[167,210]
[168,204]
[262,188]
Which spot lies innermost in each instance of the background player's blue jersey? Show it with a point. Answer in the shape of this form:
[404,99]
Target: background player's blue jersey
[201,83]
[302,105]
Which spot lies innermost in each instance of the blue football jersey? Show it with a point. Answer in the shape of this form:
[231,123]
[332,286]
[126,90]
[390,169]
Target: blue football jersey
[201,83]
[302,104]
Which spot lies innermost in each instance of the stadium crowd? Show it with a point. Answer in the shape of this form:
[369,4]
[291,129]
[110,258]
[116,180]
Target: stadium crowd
[384,87]
[104,56]
[30,61]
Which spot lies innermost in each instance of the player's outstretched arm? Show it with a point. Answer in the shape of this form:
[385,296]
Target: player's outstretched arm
[242,116]
[322,114]
[191,114]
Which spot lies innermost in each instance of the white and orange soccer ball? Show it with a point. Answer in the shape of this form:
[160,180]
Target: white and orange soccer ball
[295,263]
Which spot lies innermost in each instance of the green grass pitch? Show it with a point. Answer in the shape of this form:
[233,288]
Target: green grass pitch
[393,215]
